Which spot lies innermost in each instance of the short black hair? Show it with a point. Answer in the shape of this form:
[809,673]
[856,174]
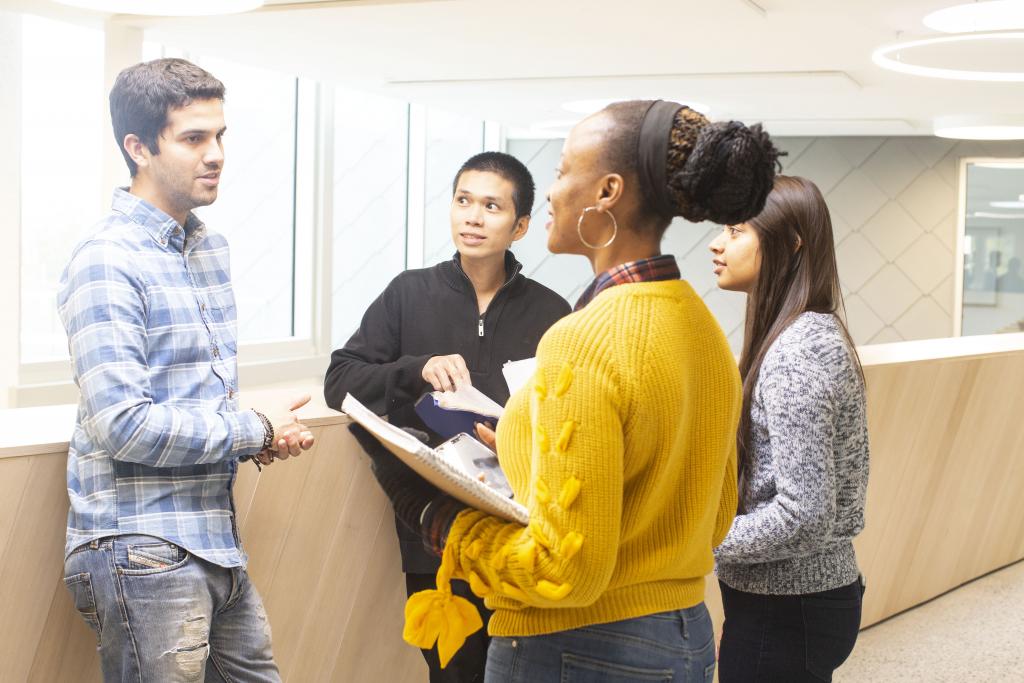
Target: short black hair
[144,94]
[509,168]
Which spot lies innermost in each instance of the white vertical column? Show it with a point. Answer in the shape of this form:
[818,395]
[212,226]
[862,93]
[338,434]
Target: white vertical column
[122,48]
[494,137]
[323,316]
[10,200]
[416,187]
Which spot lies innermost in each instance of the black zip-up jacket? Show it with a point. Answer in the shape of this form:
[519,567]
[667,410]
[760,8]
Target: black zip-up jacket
[433,312]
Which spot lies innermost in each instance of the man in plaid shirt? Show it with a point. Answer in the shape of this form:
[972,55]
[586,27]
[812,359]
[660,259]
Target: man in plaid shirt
[153,558]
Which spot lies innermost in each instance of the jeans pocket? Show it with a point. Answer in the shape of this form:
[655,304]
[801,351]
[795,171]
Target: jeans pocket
[580,669]
[831,625]
[153,558]
[80,586]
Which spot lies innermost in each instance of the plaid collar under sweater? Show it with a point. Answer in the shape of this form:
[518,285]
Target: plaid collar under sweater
[662,267]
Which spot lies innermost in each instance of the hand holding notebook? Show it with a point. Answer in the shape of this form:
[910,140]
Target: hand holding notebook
[454,466]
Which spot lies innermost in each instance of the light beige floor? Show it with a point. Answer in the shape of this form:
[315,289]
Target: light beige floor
[974,633]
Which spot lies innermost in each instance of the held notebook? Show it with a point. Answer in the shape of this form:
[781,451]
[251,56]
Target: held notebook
[454,467]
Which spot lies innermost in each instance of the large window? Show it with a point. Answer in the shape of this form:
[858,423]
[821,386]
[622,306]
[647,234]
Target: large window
[259,194]
[61,168]
[370,177]
[263,207]
[450,140]
[307,165]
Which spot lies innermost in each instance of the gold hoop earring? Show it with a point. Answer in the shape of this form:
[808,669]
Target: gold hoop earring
[579,229]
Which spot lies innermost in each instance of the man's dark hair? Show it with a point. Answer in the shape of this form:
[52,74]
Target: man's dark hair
[509,168]
[144,94]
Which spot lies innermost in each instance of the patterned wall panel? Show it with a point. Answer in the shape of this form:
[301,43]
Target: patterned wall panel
[893,203]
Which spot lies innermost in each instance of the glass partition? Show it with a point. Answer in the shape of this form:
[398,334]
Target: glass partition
[992,246]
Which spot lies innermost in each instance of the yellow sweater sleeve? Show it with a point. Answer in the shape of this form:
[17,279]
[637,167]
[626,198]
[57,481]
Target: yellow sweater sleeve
[727,503]
[566,556]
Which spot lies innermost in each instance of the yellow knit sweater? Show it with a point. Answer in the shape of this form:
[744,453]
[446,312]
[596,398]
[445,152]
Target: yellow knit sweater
[622,447]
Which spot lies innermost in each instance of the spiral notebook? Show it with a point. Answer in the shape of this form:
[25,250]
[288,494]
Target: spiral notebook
[453,467]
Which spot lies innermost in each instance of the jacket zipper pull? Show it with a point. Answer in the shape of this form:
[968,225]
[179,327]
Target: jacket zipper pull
[480,327]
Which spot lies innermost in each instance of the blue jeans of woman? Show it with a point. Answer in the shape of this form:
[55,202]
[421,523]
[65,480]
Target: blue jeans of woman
[162,614]
[787,638]
[676,646]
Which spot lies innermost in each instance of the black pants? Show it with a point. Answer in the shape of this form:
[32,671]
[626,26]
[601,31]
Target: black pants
[787,638]
[467,666]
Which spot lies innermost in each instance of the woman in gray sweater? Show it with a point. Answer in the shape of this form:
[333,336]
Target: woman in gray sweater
[790,584]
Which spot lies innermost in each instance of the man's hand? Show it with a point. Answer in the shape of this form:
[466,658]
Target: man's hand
[290,436]
[446,373]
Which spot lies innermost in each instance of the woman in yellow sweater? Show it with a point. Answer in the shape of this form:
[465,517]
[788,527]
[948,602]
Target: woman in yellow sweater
[622,446]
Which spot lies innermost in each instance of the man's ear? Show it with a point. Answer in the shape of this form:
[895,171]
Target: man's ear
[521,227]
[137,151]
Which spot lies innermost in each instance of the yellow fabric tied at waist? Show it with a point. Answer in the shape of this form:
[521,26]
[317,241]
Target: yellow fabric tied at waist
[439,616]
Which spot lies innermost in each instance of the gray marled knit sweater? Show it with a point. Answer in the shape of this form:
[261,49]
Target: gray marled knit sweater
[803,495]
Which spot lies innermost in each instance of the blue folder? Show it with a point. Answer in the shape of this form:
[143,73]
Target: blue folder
[447,422]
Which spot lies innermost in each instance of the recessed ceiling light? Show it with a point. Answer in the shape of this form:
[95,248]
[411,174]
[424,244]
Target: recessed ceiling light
[1001,216]
[997,15]
[594,105]
[1007,205]
[980,127]
[894,57]
[167,8]
[1000,164]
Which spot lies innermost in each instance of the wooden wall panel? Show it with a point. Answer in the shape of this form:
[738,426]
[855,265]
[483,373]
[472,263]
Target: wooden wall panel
[947,468]
[944,506]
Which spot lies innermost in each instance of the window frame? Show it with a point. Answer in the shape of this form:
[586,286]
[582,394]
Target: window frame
[961,233]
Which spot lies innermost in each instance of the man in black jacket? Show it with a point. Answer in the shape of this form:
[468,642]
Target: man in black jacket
[454,323]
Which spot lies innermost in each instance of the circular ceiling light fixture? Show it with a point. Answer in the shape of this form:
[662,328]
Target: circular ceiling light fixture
[980,127]
[595,105]
[988,56]
[996,15]
[167,8]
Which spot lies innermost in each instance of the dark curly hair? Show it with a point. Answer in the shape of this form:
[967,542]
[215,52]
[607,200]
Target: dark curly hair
[720,172]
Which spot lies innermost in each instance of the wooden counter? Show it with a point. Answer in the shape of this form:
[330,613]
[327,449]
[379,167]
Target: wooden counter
[946,422]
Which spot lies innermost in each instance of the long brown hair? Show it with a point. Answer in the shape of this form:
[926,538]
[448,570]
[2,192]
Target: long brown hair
[798,274]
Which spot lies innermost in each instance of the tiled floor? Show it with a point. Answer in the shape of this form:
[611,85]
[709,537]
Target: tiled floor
[975,633]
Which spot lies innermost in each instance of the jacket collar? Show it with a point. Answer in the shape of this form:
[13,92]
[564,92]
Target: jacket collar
[457,279]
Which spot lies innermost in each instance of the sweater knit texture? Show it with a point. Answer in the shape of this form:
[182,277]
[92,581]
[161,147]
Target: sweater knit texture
[622,448]
[803,494]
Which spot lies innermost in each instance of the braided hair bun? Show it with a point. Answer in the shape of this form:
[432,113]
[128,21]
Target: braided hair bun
[719,172]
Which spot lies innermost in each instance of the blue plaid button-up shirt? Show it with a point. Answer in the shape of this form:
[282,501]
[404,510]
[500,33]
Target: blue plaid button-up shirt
[150,318]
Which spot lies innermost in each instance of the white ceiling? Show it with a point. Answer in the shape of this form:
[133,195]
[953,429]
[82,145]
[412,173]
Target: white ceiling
[802,66]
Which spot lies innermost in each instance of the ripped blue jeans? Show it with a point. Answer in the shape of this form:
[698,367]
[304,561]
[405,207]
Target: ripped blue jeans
[162,614]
